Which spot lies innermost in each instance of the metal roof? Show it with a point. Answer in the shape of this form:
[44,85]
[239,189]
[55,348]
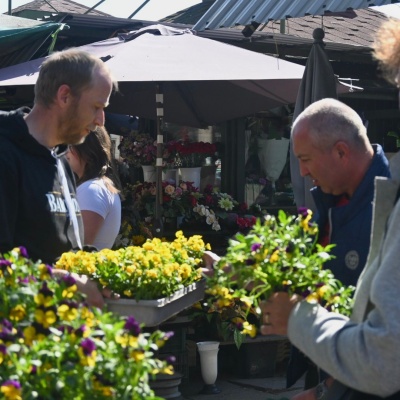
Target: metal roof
[228,13]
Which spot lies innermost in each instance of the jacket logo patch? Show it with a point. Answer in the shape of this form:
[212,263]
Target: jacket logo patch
[352,259]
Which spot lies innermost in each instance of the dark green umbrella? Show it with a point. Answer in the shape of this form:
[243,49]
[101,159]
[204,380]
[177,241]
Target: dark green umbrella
[318,82]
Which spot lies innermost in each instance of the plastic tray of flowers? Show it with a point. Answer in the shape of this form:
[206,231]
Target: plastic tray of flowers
[154,312]
[144,273]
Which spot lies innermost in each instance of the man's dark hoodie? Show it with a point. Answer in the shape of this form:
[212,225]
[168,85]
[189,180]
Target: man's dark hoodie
[33,212]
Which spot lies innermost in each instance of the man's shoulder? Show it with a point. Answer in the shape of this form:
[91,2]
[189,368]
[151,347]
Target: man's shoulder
[6,144]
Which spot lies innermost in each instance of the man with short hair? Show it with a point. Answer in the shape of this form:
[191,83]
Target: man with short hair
[38,209]
[331,143]
[360,353]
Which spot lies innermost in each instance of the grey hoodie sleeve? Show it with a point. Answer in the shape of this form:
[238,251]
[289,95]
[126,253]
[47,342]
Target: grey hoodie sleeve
[361,353]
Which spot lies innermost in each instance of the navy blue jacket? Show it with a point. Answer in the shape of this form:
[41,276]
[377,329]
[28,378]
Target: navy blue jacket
[350,224]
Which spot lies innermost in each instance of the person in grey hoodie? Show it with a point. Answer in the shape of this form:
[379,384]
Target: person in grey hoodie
[361,352]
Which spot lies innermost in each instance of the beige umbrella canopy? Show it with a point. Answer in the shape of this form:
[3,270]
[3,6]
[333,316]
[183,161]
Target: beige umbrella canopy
[204,82]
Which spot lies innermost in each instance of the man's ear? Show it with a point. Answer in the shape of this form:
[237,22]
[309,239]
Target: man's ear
[342,150]
[63,95]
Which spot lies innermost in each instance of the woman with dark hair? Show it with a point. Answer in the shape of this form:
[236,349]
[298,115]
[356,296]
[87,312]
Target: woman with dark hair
[98,188]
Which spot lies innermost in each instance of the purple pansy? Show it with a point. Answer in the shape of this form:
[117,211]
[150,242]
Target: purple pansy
[255,246]
[88,346]
[24,252]
[132,326]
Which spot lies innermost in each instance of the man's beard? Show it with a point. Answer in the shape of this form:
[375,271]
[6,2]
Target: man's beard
[71,126]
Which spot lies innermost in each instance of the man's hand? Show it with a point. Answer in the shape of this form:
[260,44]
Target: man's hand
[317,392]
[93,295]
[275,313]
[209,259]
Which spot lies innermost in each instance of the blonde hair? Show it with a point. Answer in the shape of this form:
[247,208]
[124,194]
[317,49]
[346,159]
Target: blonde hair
[387,49]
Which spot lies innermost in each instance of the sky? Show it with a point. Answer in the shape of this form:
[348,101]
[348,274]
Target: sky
[152,11]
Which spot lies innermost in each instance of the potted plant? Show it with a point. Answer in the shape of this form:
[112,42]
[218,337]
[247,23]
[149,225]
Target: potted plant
[157,270]
[53,345]
[222,212]
[140,150]
[189,157]
[278,254]
[178,200]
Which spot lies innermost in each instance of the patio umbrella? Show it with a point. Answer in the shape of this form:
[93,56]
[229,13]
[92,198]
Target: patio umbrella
[171,74]
[318,82]
[204,82]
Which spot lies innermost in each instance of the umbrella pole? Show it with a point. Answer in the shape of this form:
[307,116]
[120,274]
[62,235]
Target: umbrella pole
[158,227]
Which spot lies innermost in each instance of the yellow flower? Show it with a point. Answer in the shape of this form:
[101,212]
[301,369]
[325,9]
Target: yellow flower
[185,270]
[46,318]
[69,291]
[17,313]
[312,298]
[249,329]
[29,334]
[11,390]
[138,355]
[321,291]
[42,300]
[87,360]
[274,256]
[67,313]
[127,340]
[138,240]
[169,370]
[44,272]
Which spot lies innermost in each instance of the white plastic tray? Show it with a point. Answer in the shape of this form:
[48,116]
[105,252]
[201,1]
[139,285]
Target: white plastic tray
[154,312]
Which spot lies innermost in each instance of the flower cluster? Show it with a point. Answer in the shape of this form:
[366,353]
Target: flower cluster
[278,254]
[138,149]
[211,207]
[222,209]
[204,212]
[54,346]
[188,154]
[177,200]
[154,270]
[141,149]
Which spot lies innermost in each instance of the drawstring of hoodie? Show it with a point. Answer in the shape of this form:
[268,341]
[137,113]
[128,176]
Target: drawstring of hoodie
[68,200]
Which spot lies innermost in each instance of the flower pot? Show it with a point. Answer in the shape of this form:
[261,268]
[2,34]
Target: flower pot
[167,386]
[209,365]
[172,224]
[273,155]
[191,175]
[154,312]
[170,174]
[149,173]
